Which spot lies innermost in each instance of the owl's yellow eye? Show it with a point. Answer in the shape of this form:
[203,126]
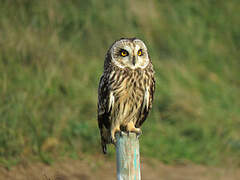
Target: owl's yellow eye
[123,53]
[140,53]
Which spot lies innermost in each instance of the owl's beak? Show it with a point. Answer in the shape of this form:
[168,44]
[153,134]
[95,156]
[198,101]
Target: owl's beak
[134,60]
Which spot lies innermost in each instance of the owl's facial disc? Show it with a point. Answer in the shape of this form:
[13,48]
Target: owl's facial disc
[131,54]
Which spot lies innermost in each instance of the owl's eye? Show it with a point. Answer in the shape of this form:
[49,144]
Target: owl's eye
[140,53]
[123,53]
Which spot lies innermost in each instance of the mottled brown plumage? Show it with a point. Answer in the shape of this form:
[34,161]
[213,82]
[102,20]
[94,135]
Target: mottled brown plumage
[126,89]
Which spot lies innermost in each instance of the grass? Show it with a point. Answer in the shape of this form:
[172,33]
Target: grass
[51,59]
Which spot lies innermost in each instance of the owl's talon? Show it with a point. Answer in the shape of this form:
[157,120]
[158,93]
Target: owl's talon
[118,131]
[113,140]
[113,135]
[139,133]
[131,128]
[121,133]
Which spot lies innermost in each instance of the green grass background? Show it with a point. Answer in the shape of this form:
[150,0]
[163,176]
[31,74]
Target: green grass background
[51,59]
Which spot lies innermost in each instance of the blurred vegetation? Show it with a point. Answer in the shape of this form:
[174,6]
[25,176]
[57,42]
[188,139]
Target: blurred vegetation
[51,59]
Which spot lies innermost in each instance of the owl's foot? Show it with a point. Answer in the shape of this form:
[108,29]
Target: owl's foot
[113,133]
[131,128]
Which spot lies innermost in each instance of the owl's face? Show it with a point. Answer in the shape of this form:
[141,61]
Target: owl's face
[131,53]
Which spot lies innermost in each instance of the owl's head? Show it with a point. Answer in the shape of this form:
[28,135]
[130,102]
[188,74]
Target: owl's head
[129,52]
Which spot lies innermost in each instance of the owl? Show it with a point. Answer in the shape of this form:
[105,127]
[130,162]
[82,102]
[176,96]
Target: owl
[126,88]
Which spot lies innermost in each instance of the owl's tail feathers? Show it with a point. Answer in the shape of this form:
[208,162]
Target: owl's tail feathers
[104,147]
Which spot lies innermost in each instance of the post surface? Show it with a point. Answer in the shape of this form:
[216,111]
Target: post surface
[128,157]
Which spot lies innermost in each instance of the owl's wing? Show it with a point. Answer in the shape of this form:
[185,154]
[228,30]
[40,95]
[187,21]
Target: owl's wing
[104,111]
[147,103]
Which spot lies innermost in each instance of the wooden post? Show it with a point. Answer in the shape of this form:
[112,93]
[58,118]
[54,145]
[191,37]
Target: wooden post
[128,157]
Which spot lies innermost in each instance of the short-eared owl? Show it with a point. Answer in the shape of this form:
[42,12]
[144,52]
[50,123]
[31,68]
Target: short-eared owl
[126,88]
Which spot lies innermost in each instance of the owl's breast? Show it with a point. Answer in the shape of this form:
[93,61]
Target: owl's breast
[129,94]
[130,87]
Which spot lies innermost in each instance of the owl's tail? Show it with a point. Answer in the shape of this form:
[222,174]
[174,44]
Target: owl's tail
[104,138]
[104,147]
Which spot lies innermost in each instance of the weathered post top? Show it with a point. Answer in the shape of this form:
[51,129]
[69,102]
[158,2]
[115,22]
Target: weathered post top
[128,157]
